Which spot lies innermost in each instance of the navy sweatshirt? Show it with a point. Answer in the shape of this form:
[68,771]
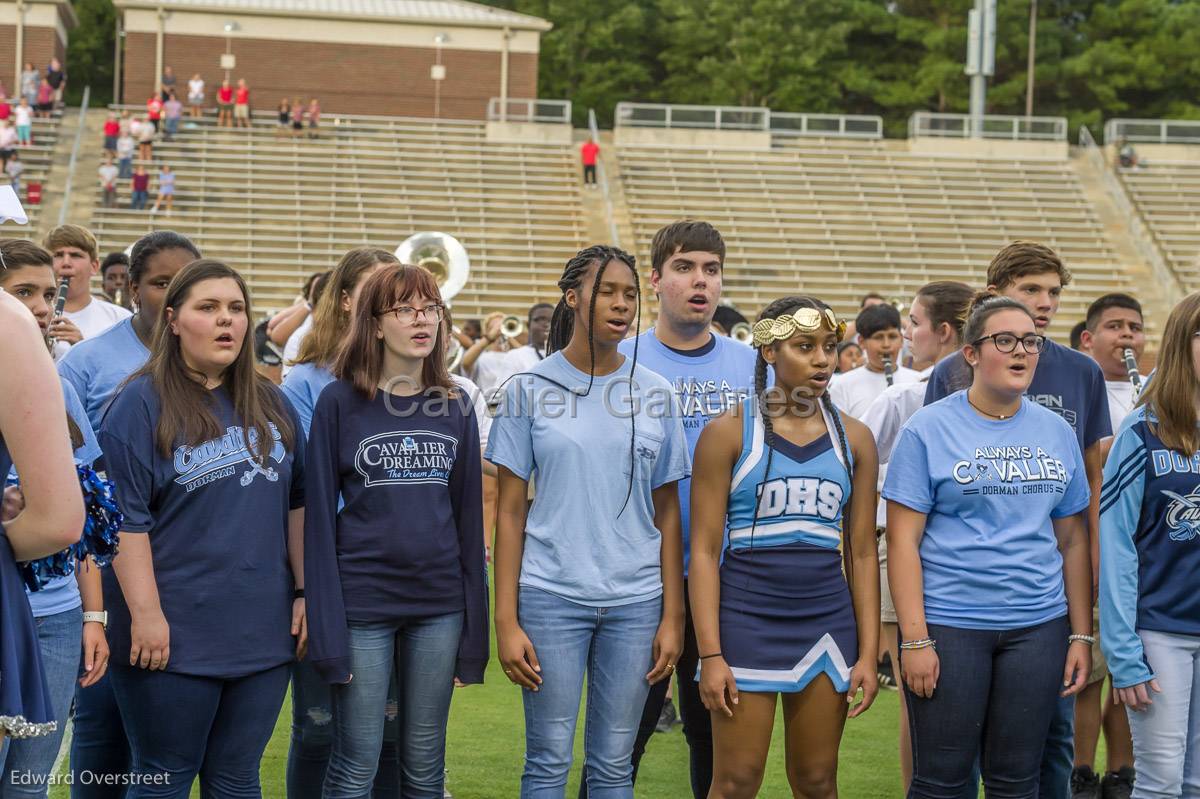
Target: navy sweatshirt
[408,542]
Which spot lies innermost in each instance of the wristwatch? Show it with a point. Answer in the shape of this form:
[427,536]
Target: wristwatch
[96,615]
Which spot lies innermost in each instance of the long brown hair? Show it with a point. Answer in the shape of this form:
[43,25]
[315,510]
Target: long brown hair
[331,321]
[186,405]
[1171,395]
[360,359]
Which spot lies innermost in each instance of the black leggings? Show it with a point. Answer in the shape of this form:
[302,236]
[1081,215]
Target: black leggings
[697,724]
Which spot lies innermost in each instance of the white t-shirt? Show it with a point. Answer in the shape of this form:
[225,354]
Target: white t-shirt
[97,316]
[884,417]
[24,115]
[291,350]
[196,89]
[482,417]
[108,175]
[1120,400]
[854,391]
[493,368]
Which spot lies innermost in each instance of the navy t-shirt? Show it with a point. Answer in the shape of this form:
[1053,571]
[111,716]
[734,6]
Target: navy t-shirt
[217,522]
[408,543]
[1066,382]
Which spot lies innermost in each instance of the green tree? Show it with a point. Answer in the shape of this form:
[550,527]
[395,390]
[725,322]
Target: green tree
[90,51]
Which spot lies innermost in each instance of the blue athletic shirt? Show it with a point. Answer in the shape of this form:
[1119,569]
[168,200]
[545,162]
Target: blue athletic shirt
[707,382]
[990,490]
[62,593]
[799,502]
[1067,382]
[583,541]
[217,521]
[97,366]
[1149,546]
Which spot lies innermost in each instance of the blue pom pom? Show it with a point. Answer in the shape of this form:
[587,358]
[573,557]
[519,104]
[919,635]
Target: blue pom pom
[101,531]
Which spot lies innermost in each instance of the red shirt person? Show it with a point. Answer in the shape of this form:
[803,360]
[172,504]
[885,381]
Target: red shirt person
[588,152]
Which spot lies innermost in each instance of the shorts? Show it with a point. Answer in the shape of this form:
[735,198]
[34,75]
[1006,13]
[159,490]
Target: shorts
[1099,664]
[887,608]
[225,107]
[110,143]
[195,99]
[241,111]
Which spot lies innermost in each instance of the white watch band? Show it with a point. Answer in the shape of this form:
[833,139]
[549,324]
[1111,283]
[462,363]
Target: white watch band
[96,615]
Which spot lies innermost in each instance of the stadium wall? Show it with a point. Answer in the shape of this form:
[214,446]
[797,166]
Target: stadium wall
[45,38]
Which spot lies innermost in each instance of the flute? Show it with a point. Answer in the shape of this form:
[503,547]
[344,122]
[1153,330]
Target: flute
[1131,368]
[60,302]
[889,370]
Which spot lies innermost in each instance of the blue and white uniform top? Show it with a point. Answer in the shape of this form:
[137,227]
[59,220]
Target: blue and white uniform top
[802,499]
[1149,546]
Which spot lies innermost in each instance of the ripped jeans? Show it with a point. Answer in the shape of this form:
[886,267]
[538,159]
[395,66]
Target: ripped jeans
[312,738]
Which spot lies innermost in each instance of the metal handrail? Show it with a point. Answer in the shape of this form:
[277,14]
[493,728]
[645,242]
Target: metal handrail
[1143,237]
[994,126]
[602,179]
[1152,131]
[529,110]
[842,126]
[66,195]
[711,117]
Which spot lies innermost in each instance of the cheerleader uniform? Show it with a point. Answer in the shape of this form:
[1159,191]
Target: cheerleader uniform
[25,707]
[786,614]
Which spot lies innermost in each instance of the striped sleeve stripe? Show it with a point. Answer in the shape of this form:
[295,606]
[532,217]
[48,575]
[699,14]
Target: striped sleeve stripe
[1113,497]
[1132,461]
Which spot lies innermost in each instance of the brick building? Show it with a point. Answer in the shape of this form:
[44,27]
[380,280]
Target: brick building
[355,56]
[39,29]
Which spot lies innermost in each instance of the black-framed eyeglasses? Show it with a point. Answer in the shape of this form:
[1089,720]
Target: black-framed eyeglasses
[1032,343]
[406,314]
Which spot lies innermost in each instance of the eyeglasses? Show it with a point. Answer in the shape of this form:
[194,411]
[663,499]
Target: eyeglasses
[406,314]
[1007,342]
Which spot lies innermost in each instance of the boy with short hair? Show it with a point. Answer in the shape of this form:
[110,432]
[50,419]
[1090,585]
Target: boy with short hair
[1114,324]
[1070,384]
[76,256]
[879,336]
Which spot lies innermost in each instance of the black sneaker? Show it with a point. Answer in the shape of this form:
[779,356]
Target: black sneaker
[1084,783]
[1117,784]
[886,675]
[667,717]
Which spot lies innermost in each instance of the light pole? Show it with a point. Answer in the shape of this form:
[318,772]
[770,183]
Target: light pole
[438,73]
[1032,57]
[227,62]
[981,58]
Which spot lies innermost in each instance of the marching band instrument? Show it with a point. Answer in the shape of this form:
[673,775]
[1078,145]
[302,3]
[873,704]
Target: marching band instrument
[511,327]
[889,370]
[742,332]
[442,255]
[1131,367]
[60,302]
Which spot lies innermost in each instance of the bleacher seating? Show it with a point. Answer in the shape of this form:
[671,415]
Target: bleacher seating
[37,159]
[1167,195]
[836,218]
[279,208]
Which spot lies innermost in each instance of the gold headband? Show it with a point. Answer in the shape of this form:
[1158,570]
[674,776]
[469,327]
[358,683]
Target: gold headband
[804,320]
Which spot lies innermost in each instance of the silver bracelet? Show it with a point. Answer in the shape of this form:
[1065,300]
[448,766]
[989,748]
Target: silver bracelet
[920,643]
[1090,640]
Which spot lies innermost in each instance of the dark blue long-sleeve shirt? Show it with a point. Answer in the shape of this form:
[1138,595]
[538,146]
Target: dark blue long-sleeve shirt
[408,543]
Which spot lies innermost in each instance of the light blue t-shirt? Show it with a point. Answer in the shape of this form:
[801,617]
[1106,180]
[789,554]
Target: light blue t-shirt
[96,366]
[583,541]
[706,384]
[989,490]
[302,386]
[62,593]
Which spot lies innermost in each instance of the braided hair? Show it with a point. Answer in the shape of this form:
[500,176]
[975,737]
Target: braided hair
[783,307]
[562,325]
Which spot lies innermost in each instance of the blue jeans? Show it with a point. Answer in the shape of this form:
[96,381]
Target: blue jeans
[613,646]
[1058,758]
[181,726]
[312,738]
[137,200]
[125,168]
[995,698]
[423,654]
[99,746]
[1166,736]
[172,125]
[32,759]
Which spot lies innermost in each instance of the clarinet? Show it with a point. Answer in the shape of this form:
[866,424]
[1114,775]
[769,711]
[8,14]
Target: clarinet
[889,370]
[1131,367]
[60,302]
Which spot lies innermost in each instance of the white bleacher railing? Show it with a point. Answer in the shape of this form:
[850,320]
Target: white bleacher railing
[527,110]
[995,126]
[1152,131]
[1143,239]
[710,117]
[850,126]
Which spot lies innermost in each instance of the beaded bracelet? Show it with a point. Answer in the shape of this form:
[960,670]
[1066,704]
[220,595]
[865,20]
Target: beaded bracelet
[1090,640]
[920,643]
